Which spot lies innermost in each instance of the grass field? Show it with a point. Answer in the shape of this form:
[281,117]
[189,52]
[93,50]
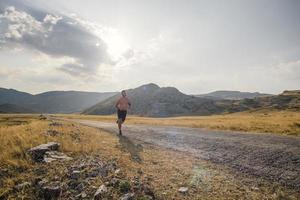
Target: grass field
[279,122]
[165,169]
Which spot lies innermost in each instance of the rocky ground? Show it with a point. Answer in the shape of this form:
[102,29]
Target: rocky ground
[56,175]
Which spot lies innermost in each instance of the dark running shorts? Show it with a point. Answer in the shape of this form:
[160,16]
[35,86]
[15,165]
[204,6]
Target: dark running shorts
[122,114]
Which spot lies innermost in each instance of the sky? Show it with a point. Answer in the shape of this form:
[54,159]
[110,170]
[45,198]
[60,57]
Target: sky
[197,46]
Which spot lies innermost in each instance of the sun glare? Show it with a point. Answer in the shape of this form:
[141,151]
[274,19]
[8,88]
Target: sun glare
[116,44]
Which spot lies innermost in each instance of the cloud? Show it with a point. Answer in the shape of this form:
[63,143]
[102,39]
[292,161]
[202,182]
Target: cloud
[53,34]
[287,70]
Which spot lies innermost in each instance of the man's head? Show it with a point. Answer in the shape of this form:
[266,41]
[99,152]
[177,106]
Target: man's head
[123,93]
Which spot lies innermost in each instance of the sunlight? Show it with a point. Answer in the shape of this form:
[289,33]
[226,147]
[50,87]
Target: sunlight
[116,43]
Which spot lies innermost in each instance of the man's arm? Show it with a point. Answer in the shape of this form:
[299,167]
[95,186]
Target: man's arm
[129,103]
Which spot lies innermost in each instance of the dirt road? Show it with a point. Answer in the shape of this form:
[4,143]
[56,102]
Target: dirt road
[272,157]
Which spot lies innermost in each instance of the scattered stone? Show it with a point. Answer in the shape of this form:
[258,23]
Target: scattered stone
[75,174]
[82,195]
[55,155]
[42,117]
[128,196]
[117,171]
[254,188]
[51,192]
[183,189]
[100,192]
[55,124]
[93,173]
[42,182]
[114,181]
[22,186]
[3,172]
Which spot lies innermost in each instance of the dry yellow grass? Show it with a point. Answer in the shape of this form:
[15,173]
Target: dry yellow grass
[165,169]
[280,122]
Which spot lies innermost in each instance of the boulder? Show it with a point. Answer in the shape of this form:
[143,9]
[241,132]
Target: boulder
[37,153]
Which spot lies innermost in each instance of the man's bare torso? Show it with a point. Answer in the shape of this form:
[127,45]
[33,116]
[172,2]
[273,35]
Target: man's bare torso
[123,103]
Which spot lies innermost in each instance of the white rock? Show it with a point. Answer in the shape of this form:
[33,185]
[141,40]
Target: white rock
[183,189]
[117,171]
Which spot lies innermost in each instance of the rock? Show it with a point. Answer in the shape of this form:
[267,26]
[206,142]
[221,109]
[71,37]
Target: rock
[51,192]
[255,188]
[3,172]
[42,182]
[81,195]
[55,124]
[117,171]
[114,181]
[183,190]
[100,192]
[37,153]
[128,196]
[75,174]
[22,186]
[42,117]
[55,155]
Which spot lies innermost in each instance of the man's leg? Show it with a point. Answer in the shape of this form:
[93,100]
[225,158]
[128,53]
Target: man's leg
[120,125]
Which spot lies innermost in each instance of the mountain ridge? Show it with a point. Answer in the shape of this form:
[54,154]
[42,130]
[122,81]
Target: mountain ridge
[53,101]
[232,95]
[154,101]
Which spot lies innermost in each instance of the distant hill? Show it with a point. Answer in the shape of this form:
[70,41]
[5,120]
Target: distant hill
[147,100]
[287,100]
[11,108]
[232,95]
[152,100]
[53,101]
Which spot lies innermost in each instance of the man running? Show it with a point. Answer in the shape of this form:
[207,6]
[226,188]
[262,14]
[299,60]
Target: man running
[122,105]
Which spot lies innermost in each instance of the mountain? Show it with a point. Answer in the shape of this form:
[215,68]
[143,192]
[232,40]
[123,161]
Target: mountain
[12,108]
[152,100]
[287,100]
[53,101]
[147,100]
[232,95]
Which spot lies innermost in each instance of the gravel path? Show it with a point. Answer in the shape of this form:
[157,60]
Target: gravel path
[272,157]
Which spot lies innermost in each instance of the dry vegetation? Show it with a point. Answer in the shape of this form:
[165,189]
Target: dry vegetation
[166,170]
[280,122]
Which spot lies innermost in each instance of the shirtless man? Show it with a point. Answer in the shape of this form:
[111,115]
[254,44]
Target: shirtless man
[122,105]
